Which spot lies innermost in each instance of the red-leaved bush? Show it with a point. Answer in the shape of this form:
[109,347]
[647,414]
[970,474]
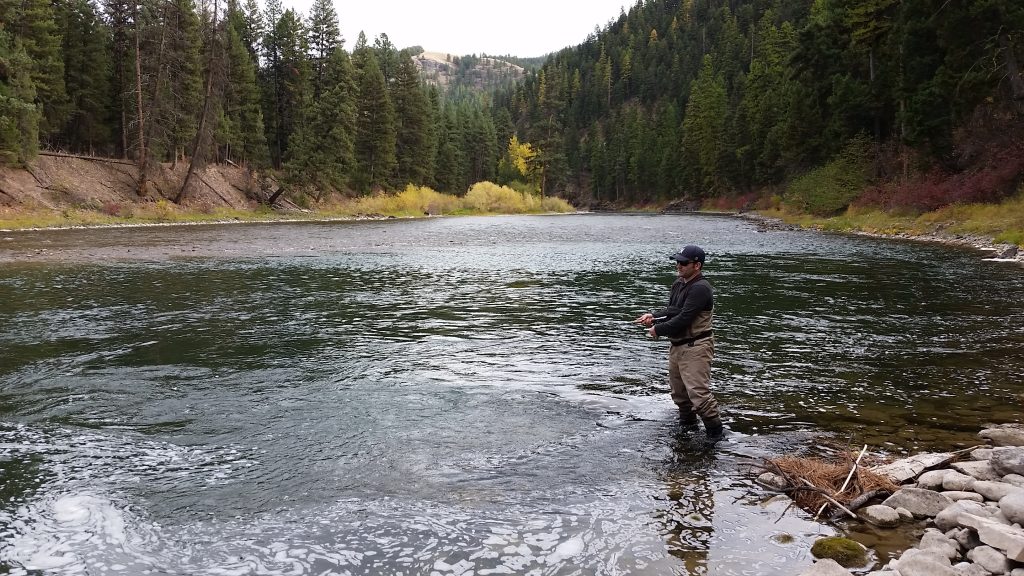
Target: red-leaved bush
[997,179]
[732,203]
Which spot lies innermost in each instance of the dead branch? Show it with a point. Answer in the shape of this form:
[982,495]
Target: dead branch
[847,481]
[834,502]
[89,158]
[861,500]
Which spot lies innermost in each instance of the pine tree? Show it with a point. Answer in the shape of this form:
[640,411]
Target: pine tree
[87,75]
[324,38]
[375,129]
[322,152]
[33,24]
[240,133]
[286,80]
[19,117]
[703,132]
[413,119]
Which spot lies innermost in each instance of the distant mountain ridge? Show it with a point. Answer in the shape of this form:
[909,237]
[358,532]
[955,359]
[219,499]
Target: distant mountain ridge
[477,73]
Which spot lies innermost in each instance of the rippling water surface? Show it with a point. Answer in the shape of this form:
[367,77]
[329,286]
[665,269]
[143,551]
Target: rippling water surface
[464,395]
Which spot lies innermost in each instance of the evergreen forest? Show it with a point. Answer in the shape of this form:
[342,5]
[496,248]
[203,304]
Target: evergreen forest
[816,103]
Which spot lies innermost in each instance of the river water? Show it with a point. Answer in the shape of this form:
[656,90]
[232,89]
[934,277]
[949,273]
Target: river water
[461,396]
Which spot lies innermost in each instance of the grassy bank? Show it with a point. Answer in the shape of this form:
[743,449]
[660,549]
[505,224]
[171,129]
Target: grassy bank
[1002,222]
[414,201]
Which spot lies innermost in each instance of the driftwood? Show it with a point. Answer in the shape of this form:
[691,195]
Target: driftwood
[832,500]
[845,482]
[90,158]
[840,483]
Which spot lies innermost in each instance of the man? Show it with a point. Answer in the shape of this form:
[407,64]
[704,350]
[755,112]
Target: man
[686,322]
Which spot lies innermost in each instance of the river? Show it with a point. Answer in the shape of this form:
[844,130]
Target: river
[460,396]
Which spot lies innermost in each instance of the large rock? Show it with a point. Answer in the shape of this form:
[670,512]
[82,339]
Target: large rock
[938,542]
[1006,538]
[1014,479]
[956,496]
[994,491]
[958,481]
[1004,435]
[902,470]
[990,559]
[969,569]
[915,562]
[879,515]
[980,470]
[1009,461]
[949,518]
[1012,506]
[932,479]
[826,568]
[772,481]
[921,503]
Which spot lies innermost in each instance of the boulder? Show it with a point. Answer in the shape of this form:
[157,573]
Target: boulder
[902,470]
[1004,435]
[990,559]
[1006,252]
[915,562]
[956,496]
[924,566]
[968,569]
[938,542]
[826,568]
[980,470]
[1009,461]
[772,481]
[905,514]
[879,515]
[949,518]
[965,538]
[843,550]
[1006,538]
[932,479]
[956,480]
[1014,480]
[921,503]
[994,491]
[1012,507]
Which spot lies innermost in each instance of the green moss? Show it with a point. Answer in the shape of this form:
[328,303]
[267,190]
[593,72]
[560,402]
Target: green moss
[843,550]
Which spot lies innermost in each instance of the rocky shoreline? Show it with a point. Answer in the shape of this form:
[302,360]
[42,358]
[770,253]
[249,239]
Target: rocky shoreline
[1008,252]
[970,505]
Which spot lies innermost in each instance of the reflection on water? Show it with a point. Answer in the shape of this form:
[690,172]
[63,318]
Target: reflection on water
[461,395]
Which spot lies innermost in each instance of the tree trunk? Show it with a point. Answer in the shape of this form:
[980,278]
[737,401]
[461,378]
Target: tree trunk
[1012,69]
[138,100]
[201,142]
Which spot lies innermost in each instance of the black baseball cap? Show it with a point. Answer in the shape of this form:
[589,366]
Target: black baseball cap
[689,254]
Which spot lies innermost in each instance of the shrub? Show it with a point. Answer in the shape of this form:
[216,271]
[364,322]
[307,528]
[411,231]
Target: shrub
[935,189]
[489,197]
[829,189]
[111,208]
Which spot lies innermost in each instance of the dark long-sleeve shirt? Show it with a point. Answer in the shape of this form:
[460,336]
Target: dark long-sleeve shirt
[689,309]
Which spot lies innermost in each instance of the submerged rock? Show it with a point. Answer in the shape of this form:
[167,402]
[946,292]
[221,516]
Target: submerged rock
[1005,435]
[843,550]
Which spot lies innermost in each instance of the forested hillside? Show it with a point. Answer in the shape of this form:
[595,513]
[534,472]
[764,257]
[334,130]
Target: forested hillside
[170,81]
[917,101]
[908,104]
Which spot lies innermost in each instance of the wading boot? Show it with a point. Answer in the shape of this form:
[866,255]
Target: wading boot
[714,429]
[687,420]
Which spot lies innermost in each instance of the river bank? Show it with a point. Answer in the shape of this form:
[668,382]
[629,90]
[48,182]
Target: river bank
[967,505]
[897,229]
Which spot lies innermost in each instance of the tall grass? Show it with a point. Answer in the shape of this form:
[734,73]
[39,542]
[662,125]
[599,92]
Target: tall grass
[482,198]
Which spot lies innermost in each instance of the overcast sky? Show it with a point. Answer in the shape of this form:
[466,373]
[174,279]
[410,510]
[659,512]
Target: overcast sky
[522,28]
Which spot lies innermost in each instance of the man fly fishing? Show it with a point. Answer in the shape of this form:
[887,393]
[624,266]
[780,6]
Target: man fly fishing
[686,322]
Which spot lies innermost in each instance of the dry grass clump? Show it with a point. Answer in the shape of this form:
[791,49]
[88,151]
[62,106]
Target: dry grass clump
[827,477]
